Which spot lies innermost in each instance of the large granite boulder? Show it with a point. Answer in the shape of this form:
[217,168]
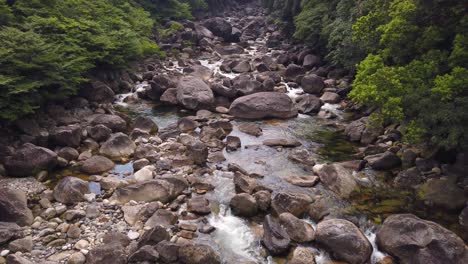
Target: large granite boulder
[29,160]
[118,146]
[14,207]
[263,105]
[193,93]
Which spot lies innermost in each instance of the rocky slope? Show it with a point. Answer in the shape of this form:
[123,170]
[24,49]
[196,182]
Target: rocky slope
[104,179]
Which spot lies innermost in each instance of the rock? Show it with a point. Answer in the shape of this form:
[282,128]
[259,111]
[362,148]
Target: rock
[17,259]
[77,258]
[66,136]
[233,143]
[311,61]
[199,71]
[98,92]
[70,190]
[154,190]
[186,124]
[96,165]
[251,129]
[219,27]
[9,231]
[384,161]
[331,98]
[153,236]
[168,251]
[118,146]
[198,152]
[337,178]
[303,181]
[116,238]
[297,229]
[194,94]
[170,96]
[462,219]
[244,85]
[294,203]
[414,240]
[408,178]
[198,254]
[21,245]
[263,105]
[242,182]
[199,205]
[112,253]
[114,122]
[244,205]
[68,153]
[302,255]
[263,199]
[344,240]
[242,67]
[14,207]
[146,124]
[203,31]
[229,50]
[356,128]
[308,104]
[162,217]
[282,142]
[275,238]
[443,192]
[29,160]
[144,254]
[293,71]
[139,164]
[145,174]
[312,84]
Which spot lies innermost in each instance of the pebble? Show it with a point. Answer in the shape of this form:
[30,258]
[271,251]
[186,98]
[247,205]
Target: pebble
[77,258]
[133,235]
[49,213]
[82,244]
[4,252]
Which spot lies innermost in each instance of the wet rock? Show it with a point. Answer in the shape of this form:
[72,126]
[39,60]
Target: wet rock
[194,94]
[199,205]
[114,122]
[29,160]
[146,124]
[112,253]
[302,255]
[70,190]
[344,240]
[263,105]
[303,181]
[98,92]
[154,190]
[244,183]
[443,192]
[337,178]
[187,124]
[170,96]
[118,146]
[9,231]
[162,217]
[153,236]
[282,142]
[297,229]
[244,205]
[198,254]
[275,238]
[21,245]
[233,143]
[331,98]
[97,165]
[294,203]
[144,254]
[312,84]
[250,129]
[14,207]
[308,104]
[198,152]
[384,161]
[414,240]
[229,50]
[293,71]
[263,199]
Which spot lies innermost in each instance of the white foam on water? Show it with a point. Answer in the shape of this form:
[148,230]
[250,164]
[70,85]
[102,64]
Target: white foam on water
[333,108]
[322,257]
[377,255]
[234,236]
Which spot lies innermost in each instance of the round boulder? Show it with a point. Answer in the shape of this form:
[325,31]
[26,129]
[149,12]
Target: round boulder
[263,105]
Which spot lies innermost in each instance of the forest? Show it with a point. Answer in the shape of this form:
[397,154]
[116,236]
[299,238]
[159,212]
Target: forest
[409,57]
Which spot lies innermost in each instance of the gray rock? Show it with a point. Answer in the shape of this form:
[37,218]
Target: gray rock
[66,136]
[21,245]
[312,84]
[9,231]
[118,146]
[308,104]
[153,236]
[98,92]
[293,71]
[14,207]
[302,255]
[194,94]
[199,205]
[29,160]
[154,190]
[294,203]
[96,165]
[275,238]
[146,124]
[244,204]
[263,105]
[331,98]
[70,190]
[337,178]
[198,254]
[112,253]
[114,122]
[144,254]
[383,161]
[297,229]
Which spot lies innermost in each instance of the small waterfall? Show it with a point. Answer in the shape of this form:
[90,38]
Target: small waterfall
[377,255]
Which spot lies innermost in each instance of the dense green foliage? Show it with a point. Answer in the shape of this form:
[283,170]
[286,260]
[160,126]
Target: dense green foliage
[411,58]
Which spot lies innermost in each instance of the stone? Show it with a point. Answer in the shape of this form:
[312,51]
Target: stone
[21,245]
[145,174]
[331,98]
[77,258]
[28,160]
[153,236]
[233,143]
[356,128]
[250,129]
[263,199]
[443,192]
[162,217]
[111,253]
[337,178]
[294,203]
[282,142]
[146,124]
[384,161]
[144,254]
[97,165]
[14,207]
[414,240]
[66,136]
[308,104]
[275,238]
[263,105]
[114,122]
[243,183]
[228,50]
[17,259]
[198,254]
[198,152]
[118,146]
[344,240]
[162,190]
[99,132]
[242,67]
[98,91]
[9,231]
[293,71]
[219,27]
[311,61]
[170,96]
[193,93]
[303,181]
[70,190]
[297,229]
[199,205]
[187,124]
[302,255]
[312,84]
[244,205]
[68,153]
